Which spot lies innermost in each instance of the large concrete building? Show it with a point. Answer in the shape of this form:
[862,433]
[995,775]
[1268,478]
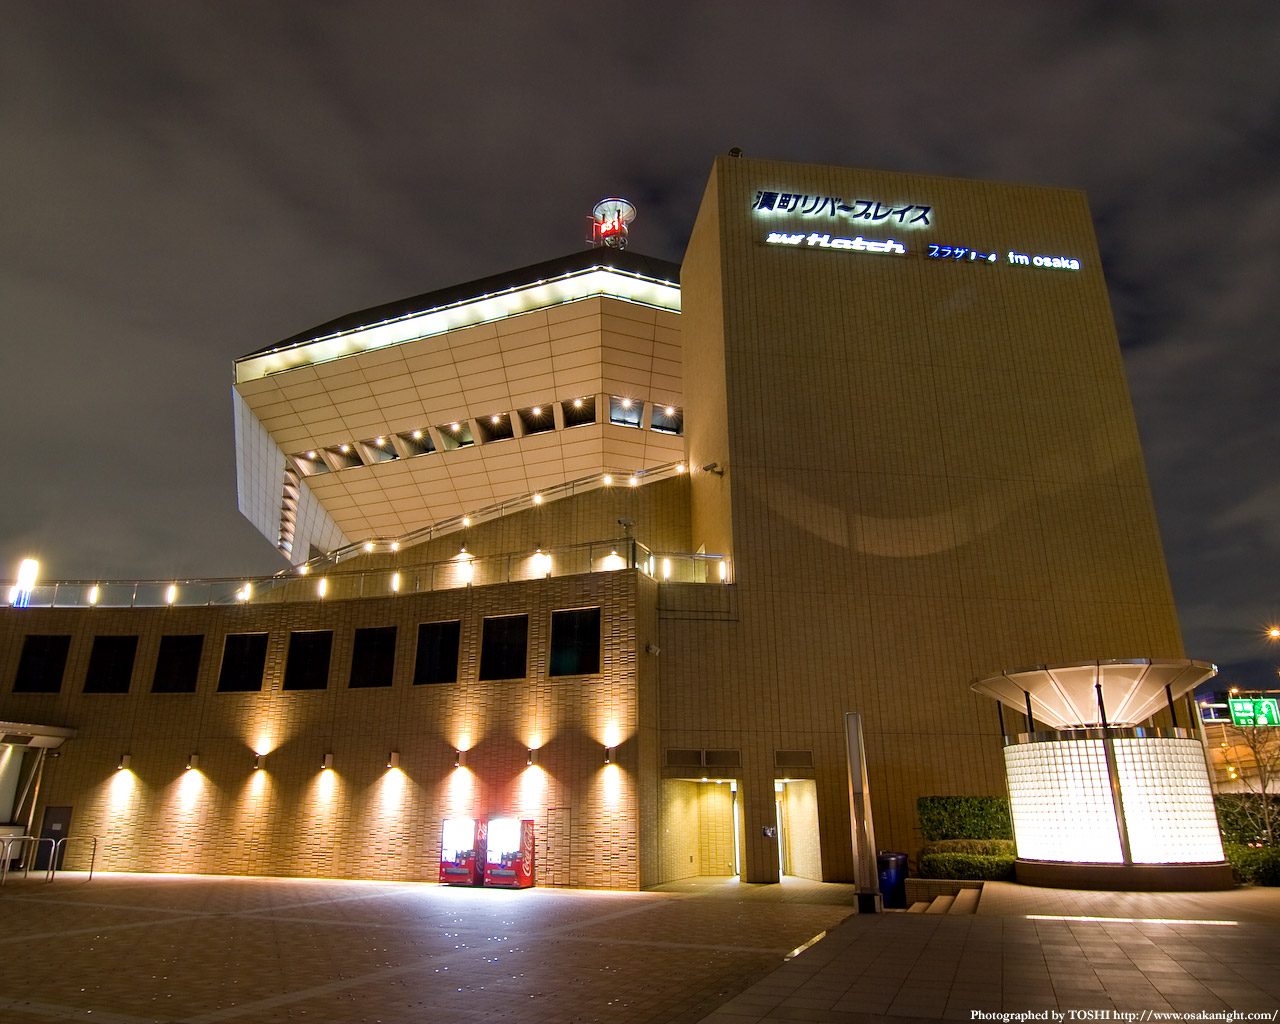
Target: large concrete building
[614,545]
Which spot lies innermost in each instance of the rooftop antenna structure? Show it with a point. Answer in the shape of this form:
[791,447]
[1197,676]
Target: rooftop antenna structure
[609,222]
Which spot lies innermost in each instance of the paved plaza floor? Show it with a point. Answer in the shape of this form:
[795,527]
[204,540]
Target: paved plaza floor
[161,949]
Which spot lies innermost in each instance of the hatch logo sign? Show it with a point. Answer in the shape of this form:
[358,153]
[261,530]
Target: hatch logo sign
[817,241]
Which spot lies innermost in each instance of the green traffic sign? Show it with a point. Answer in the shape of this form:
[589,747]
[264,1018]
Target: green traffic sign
[1255,711]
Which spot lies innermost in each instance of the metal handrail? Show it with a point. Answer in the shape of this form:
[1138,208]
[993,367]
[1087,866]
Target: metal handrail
[366,582]
[8,841]
[60,845]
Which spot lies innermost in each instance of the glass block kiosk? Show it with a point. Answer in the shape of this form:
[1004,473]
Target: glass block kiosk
[1100,801]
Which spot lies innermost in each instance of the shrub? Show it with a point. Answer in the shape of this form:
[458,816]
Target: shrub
[1254,865]
[968,866]
[1241,818]
[964,817]
[984,847]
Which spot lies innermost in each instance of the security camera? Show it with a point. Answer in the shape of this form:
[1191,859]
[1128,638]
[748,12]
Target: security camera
[652,648]
[626,524]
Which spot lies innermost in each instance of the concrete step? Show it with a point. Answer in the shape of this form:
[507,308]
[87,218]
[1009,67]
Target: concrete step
[940,905]
[966,902]
[918,908]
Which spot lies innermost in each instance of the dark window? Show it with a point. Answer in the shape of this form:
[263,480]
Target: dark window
[244,656]
[307,666]
[575,642]
[41,665]
[373,658]
[504,647]
[110,664]
[579,411]
[668,419]
[625,412]
[437,660]
[178,664]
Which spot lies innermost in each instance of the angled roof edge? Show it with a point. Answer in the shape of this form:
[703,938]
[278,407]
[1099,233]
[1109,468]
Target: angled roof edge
[615,259]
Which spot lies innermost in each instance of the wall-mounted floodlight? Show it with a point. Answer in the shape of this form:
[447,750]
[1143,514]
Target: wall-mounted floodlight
[328,761]
[532,757]
[125,761]
[393,759]
[459,758]
[610,755]
[193,762]
[259,761]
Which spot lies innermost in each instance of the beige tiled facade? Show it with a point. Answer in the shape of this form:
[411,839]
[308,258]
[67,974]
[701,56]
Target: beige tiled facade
[921,471]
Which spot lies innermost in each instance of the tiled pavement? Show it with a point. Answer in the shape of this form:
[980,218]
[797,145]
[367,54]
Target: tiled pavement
[129,949]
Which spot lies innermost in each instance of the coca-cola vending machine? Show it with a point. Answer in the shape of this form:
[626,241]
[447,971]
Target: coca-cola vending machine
[462,846]
[509,861]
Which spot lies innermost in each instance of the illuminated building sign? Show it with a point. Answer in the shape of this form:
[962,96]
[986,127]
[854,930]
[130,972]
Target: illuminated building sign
[1061,262]
[959,252]
[818,241]
[869,210]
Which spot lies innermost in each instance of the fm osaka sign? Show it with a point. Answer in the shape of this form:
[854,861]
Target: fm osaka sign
[867,210]
[817,241]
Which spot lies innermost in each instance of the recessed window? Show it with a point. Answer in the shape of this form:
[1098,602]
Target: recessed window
[504,647]
[178,664]
[345,456]
[244,657]
[311,463]
[40,667]
[625,412]
[437,659]
[307,665]
[110,664]
[456,434]
[379,449]
[575,642]
[417,442]
[537,418]
[373,657]
[496,427]
[579,411]
[667,419]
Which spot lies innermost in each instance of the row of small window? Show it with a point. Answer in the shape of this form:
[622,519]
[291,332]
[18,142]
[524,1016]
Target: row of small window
[623,412]
[504,644]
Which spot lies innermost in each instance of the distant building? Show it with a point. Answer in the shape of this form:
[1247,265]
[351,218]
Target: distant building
[614,544]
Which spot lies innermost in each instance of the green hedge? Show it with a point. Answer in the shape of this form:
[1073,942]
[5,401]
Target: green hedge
[1254,865]
[970,866]
[984,847]
[1240,816]
[964,817]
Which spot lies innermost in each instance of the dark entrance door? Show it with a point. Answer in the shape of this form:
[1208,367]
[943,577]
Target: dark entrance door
[56,825]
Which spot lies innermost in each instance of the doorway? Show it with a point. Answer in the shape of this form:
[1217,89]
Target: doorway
[796,805]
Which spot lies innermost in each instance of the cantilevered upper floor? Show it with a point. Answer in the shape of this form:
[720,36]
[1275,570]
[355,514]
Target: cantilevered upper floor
[383,422]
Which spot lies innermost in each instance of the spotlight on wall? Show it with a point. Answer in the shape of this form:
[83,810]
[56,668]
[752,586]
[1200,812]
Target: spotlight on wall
[193,762]
[532,758]
[393,759]
[125,761]
[610,755]
[459,758]
[259,761]
[328,761]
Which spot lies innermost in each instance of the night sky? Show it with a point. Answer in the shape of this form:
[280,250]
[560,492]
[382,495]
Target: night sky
[186,182]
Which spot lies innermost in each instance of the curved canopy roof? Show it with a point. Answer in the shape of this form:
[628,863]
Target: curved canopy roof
[1065,696]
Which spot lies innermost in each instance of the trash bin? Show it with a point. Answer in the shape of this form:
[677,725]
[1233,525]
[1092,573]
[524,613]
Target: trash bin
[892,868]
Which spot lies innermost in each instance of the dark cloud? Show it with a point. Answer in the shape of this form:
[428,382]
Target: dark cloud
[187,182]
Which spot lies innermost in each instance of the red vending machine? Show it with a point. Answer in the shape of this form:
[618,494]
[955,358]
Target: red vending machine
[509,861]
[462,852]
